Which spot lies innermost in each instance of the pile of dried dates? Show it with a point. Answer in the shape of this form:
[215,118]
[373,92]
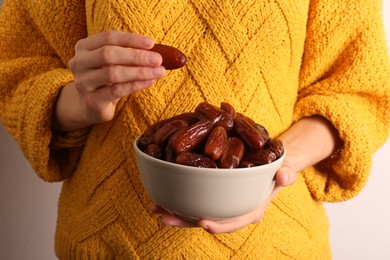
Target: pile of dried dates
[211,137]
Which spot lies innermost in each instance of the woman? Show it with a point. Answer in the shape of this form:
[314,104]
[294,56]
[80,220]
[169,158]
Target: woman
[77,90]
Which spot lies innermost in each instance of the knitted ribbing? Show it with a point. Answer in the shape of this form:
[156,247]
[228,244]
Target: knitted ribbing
[275,61]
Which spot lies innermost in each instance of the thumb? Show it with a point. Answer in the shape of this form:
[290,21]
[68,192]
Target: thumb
[285,176]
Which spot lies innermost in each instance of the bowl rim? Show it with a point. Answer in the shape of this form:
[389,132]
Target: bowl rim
[209,170]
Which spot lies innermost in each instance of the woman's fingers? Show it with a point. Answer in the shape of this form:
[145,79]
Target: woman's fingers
[114,55]
[106,67]
[115,59]
[156,209]
[218,226]
[285,176]
[121,74]
[175,221]
[112,92]
[99,105]
[91,80]
[171,220]
[115,38]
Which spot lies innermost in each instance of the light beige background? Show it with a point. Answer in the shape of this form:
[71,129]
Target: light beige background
[360,228]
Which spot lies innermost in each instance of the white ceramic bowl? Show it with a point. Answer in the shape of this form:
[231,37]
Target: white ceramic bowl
[195,193]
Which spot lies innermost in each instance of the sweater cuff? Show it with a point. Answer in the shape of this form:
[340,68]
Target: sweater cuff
[53,159]
[69,140]
[344,174]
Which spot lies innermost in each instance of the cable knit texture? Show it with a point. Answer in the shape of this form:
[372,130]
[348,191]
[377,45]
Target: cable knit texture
[275,61]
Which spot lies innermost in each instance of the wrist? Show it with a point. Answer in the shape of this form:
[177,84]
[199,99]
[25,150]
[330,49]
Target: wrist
[309,141]
[68,114]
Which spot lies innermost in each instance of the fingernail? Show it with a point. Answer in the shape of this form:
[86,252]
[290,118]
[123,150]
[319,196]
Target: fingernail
[154,58]
[158,72]
[147,42]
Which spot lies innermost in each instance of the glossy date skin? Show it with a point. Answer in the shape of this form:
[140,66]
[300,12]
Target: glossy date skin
[189,137]
[228,108]
[154,150]
[214,114]
[162,135]
[232,155]
[260,157]
[248,133]
[172,57]
[216,143]
[149,137]
[195,160]
[229,136]
[275,146]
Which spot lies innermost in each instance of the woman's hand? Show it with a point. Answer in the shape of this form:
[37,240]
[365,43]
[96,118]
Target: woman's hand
[106,67]
[307,142]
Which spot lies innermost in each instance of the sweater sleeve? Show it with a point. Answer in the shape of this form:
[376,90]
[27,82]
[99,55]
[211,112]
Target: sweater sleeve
[34,54]
[345,77]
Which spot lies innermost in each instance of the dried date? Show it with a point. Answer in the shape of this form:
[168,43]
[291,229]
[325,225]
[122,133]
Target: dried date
[162,135]
[154,150]
[148,136]
[188,138]
[276,146]
[262,130]
[211,137]
[246,164]
[196,160]
[189,117]
[233,154]
[172,57]
[216,115]
[246,118]
[216,143]
[248,133]
[225,106]
[170,155]
[260,157]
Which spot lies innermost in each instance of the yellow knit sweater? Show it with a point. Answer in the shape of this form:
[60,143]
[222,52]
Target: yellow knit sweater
[275,61]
